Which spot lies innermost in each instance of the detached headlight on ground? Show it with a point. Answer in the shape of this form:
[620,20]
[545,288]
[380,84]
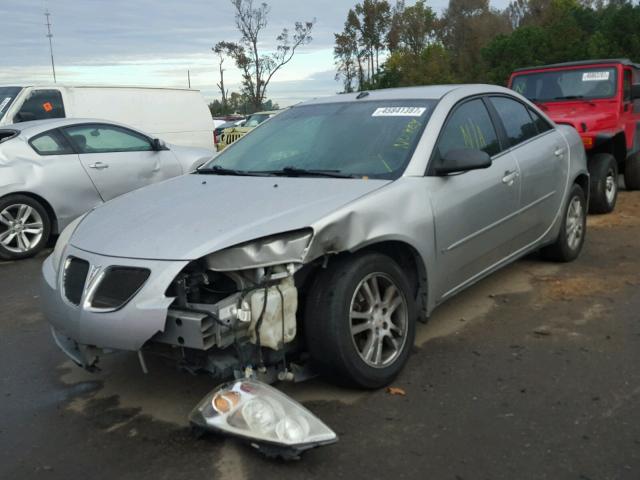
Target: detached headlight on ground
[273,423]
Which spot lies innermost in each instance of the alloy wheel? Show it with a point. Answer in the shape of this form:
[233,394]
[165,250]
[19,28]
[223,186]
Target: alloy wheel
[575,223]
[611,186]
[378,320]
[21,228]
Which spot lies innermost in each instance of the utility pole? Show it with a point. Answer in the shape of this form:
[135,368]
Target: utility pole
[189,78]
[50,36]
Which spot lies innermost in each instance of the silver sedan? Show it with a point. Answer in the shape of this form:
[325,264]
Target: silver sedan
[52,171]
[318,240]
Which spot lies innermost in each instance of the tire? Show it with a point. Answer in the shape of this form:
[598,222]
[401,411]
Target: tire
[632,172]
[340,290]
[603,168]
[566,248]
[16,241]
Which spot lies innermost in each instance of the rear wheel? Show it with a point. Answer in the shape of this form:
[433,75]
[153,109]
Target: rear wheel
[569,243]
[360,320]
[632,172]
[603,168]
[24,227]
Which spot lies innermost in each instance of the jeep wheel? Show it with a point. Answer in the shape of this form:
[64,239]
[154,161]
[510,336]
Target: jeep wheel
[24,227]
[604,183]
[360,320]
[569,243]
[632,172]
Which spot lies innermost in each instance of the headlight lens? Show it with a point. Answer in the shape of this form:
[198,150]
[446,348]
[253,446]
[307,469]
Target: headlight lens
[260,413]
[63,241]
[273,250]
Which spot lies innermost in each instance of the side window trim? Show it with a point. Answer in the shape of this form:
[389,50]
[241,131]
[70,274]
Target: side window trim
[107,125]
[503,130]
[429,170]
[60,136]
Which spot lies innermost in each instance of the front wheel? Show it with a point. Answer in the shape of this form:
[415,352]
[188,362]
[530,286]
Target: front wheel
[569,243]
[603,168]
[24,227]
[360,320]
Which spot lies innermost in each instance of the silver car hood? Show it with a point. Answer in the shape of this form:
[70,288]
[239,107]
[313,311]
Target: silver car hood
[191,216]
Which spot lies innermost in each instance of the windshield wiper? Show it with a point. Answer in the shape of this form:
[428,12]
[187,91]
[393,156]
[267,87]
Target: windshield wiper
[569,97]
[218,170]
[301,172]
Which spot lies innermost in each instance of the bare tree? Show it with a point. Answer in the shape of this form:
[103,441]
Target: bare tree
[221,50]
[259,68]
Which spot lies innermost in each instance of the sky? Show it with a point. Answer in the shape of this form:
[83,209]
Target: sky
[155,43]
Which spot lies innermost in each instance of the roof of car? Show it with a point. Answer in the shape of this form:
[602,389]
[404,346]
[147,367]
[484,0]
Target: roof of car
[579,63]
[37,126]
[431,92]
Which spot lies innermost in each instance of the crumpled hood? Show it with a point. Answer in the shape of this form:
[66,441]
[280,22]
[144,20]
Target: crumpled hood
[191,216]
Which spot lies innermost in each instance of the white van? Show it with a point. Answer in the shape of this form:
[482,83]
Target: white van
[176,115]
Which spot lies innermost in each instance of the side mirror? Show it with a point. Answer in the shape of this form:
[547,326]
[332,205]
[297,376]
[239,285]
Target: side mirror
[635,91]
[462,160]
[158,144]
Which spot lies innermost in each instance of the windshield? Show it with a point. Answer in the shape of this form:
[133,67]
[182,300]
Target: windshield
[583,83]
[7,96]
[369,138]
[256,119]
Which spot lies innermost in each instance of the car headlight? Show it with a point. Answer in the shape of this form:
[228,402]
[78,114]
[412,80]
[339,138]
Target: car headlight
[273,250]
[255,411]
[63,241]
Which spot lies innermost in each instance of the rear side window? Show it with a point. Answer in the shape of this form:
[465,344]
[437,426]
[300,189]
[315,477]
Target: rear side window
[468,127]
[107,139]
[541,124]
[518,124]
[41,105]
[51,143]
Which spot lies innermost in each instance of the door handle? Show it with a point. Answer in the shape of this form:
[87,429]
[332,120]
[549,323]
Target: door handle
[510,177]
[98,166]
[559,152]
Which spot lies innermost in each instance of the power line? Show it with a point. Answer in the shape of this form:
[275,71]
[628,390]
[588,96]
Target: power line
[50,36]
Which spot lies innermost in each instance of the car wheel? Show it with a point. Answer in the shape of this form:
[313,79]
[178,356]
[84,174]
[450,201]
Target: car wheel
[603,168]
[569,243]
[632,172]
[24,227]
[360,320]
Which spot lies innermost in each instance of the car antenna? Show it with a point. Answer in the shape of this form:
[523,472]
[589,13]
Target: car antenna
[362,95]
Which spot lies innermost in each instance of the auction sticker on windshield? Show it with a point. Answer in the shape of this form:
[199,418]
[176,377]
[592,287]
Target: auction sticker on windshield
[595,76]
[399,112]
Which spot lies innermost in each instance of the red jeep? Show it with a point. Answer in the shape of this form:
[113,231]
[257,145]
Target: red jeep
[601,100]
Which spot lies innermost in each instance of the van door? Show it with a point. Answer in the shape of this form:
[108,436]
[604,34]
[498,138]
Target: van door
[41,104]
[120,160]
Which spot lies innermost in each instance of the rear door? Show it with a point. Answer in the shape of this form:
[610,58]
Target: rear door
[543,158]
[474,211]
[120,160]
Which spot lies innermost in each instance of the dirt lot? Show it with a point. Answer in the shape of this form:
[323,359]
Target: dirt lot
[531,374]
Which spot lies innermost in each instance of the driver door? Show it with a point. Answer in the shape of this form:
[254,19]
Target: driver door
[475,211]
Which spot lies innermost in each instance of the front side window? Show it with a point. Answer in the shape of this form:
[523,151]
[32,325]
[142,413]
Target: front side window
[7,96]
[515,117]
[468,127]
[107,138]
[541,124]
[41,105]
[51,143]
[363,138]
[568,84]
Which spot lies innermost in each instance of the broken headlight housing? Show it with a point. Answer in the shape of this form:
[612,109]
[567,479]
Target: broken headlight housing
[279,249]
[274,423]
